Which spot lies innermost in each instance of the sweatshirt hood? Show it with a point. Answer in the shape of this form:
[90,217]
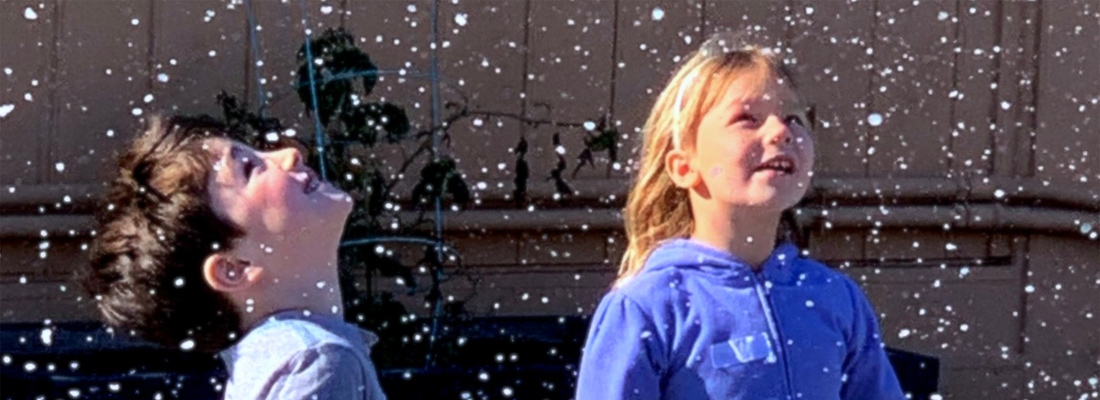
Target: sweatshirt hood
[688,254]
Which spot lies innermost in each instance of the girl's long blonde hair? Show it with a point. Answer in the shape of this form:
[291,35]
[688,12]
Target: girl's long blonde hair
[656,209]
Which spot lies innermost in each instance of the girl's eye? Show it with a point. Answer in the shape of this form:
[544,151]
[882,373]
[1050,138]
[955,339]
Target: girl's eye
[746,118]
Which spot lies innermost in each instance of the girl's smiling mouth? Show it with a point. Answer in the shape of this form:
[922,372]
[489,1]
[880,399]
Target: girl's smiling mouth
[781,164]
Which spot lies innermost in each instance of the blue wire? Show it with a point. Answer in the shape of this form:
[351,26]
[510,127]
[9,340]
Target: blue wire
[313,93]
[396,239]
[261,101]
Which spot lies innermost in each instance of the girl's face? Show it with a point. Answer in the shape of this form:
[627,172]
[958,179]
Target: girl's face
[273,196]
[752,148]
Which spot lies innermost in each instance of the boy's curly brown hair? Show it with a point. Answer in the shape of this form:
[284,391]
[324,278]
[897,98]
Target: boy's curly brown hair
[155,229]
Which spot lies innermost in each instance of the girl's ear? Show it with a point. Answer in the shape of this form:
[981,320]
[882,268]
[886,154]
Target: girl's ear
[229,274]
[680,169]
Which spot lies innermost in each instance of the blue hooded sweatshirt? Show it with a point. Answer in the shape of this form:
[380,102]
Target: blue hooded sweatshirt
[698,323]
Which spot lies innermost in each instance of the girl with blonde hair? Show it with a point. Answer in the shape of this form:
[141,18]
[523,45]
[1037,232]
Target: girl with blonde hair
[709,304]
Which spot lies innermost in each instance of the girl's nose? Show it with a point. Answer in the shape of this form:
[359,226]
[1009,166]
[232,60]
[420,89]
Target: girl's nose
[777,130]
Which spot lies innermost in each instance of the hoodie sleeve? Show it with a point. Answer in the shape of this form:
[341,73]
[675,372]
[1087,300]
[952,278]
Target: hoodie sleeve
[868,370]
[623,356]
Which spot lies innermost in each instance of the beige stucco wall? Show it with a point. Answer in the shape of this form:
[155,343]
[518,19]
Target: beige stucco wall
[966,207]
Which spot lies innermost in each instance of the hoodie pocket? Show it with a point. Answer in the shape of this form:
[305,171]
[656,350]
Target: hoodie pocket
[742,350]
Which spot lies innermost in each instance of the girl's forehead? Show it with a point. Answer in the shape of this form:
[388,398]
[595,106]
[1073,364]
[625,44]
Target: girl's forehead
[760,88]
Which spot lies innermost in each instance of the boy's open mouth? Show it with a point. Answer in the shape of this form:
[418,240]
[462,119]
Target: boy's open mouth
[782,164]
[312,183]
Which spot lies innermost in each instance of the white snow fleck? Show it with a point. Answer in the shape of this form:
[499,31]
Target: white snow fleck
[271,137]
[1029,288]
[943,16]
[60,167]
[875,119]
[904,333]
[6,109]
[809,10]
[657,14]
[134,22]
[326,9]
[589,125]
[412,8]
[461,19]
[148,98]
[136,112]
[30,14]
[47,336]
[187,345]
[162,77]
[999,193]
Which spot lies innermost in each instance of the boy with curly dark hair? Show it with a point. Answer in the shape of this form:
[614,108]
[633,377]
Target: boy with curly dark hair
[209,245]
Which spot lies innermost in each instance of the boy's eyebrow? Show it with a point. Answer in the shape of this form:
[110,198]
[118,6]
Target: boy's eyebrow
[228,161]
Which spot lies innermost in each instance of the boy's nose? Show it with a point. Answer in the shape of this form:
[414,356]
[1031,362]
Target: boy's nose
[288,158]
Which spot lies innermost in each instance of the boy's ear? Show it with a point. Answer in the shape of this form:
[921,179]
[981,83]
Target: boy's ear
[679,168]
[225,273]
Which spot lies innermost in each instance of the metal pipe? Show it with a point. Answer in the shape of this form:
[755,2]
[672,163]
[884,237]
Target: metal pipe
[957,216]
[844,191]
